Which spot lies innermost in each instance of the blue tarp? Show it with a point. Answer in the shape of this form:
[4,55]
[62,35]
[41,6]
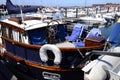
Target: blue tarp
[114,37]
[12,9]
[60,32]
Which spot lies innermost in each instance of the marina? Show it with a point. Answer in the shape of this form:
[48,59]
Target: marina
[59,43]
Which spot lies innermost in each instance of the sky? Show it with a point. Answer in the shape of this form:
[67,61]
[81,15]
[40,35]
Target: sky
[60,2]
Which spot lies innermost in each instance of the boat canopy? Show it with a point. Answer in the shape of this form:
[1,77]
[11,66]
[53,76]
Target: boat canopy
[12,9]
[114,37]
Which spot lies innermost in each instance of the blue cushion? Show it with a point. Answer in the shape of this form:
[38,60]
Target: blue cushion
[37,36]
[76,33]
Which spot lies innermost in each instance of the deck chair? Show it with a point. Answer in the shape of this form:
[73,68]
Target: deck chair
[76,33]
[93,32]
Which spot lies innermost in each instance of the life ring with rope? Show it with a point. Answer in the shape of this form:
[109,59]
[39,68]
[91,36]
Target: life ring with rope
[56,51]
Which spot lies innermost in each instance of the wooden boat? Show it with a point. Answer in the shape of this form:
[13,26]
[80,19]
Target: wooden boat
[37,49]
[20,52]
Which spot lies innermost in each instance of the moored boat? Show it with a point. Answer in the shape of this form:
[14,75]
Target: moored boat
[38,49]
[24,44]
[98,18]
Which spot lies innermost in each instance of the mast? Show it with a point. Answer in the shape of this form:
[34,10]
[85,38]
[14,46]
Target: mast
[21,12]
[86,6]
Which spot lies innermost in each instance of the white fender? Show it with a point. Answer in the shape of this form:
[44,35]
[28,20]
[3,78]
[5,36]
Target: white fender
[54,49]
[2,50]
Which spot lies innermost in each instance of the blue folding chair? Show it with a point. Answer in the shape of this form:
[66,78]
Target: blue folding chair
[93,32]
[76,33]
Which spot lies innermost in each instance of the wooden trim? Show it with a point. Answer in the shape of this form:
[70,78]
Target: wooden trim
[16,58]
[62,49]
[34,64]
[17,19]
[20,43]
[52,68]
[11,26]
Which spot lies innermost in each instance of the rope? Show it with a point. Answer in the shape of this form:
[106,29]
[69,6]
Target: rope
[80,53]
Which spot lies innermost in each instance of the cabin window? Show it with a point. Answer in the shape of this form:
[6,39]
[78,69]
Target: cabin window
[5,31]
[15,35]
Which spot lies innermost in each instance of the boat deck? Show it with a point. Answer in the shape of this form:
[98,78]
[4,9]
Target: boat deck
[65,44]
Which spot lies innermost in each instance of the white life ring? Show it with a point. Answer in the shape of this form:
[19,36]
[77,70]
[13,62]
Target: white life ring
[56,51]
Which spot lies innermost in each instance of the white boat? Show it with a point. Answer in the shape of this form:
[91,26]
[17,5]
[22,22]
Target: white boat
[97,18]
[109,15]
[107,66]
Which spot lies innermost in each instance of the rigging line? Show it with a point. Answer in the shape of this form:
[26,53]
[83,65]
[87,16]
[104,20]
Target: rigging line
[80,53]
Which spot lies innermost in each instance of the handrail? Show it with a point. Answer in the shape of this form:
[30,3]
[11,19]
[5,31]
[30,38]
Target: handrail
[62,49]
[11,26]
[34,64]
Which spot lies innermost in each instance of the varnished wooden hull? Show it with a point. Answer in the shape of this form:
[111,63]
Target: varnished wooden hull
[26,59]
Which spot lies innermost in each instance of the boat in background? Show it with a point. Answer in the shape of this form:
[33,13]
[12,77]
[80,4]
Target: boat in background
[96,18]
